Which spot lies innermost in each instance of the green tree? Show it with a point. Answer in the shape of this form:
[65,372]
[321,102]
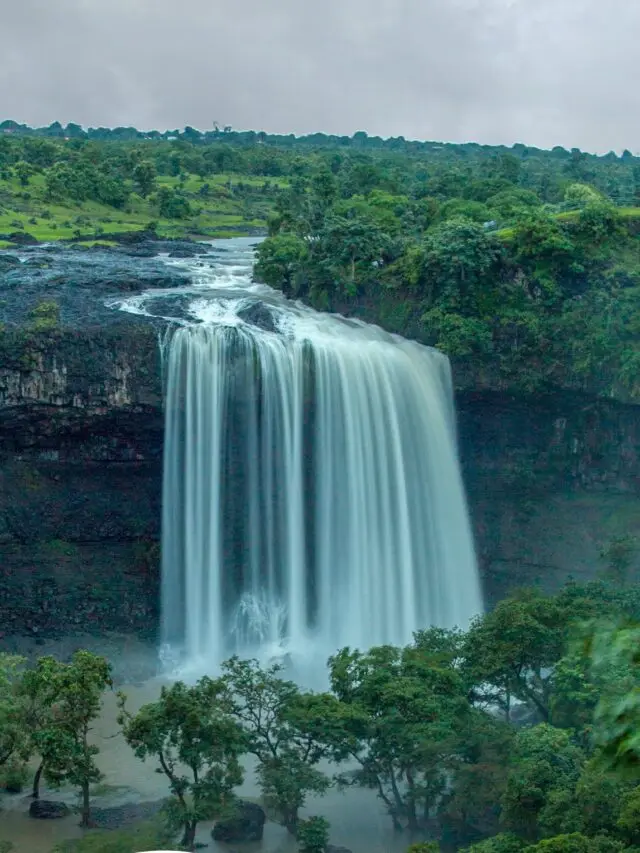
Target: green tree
[616,649]
[280,261]
[190,731]
[404,714]
[286,731]
[543,760]
[460,267]
[510,652]
[12,739]
[23,172]
[313,835]
[172,204]
[504,842]
[75,690]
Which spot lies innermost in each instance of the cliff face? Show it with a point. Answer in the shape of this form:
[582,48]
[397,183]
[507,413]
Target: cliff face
[80,478]
[551,481]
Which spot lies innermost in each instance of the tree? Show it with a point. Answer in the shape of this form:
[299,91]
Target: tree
[23,172]
[404,712]
[12,740]
[286,731]
[172,204]
[616,649]
[37,693]
[512,650]
[75,690]
[279,262]
[313,835]
[543,760]
[460,264]
[190,731]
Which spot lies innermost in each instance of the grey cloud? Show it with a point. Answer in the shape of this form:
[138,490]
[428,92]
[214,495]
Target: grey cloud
[545,72]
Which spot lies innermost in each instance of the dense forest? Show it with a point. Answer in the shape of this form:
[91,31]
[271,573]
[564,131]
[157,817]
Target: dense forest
[517,735]
[520,262]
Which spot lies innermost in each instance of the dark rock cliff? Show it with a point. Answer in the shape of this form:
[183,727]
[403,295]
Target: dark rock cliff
[80,479]
[552,479]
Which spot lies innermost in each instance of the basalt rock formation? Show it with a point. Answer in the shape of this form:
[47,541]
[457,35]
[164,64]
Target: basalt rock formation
[552,479]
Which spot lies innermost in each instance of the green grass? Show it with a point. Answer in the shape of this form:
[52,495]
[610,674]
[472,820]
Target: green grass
[223,212]
[628,213]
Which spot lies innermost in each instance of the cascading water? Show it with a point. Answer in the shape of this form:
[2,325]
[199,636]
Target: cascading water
[312,491]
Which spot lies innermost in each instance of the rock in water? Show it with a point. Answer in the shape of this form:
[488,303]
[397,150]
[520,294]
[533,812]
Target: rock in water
[48,810]
[331,848]
[246,825]
[8,262]
[183,253]
[258,314]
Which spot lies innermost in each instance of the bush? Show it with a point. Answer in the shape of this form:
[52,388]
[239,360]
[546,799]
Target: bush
[44,317]
[313,835]
[14,777]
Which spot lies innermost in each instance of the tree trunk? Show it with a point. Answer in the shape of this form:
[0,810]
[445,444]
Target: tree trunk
[86,807]
[412,817]
[35,793]
[290,819]
[189,837]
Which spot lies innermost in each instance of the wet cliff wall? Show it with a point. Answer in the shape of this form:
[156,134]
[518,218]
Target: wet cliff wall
[552,479]
[80,477]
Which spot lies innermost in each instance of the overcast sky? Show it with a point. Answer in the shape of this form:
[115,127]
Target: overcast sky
[543,72]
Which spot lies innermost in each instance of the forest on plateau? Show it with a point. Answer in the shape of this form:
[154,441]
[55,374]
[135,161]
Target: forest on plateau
[517,736]
[521,262]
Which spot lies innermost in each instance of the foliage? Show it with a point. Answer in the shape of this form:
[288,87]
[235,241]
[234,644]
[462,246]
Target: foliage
[14,776]
[313,835]
[510,651]
[11,731]
[420,724]
[543,761]
[404,720]
[285,730]
[45,317]
[73,694]
[190,732]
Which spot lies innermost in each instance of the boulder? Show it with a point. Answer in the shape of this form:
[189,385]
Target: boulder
[48,810]
[183,253]
[22,238]
[8,262]
[258,314]
[247,824]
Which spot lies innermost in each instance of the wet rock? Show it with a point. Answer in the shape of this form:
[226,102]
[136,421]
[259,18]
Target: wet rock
[8,262]
[21,238]
[142,252]
[258,314]
[183,253]
[80,282]
[48,810]
[331,848]
[246,825]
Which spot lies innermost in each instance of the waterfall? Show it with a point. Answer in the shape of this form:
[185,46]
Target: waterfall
[312,491]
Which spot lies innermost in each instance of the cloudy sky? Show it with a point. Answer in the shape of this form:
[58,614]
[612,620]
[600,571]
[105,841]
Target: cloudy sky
[543,72]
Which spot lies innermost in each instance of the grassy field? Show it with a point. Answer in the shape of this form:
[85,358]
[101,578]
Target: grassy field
[225,210]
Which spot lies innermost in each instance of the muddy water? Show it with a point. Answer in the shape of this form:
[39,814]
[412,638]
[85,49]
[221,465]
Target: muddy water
[356,817]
